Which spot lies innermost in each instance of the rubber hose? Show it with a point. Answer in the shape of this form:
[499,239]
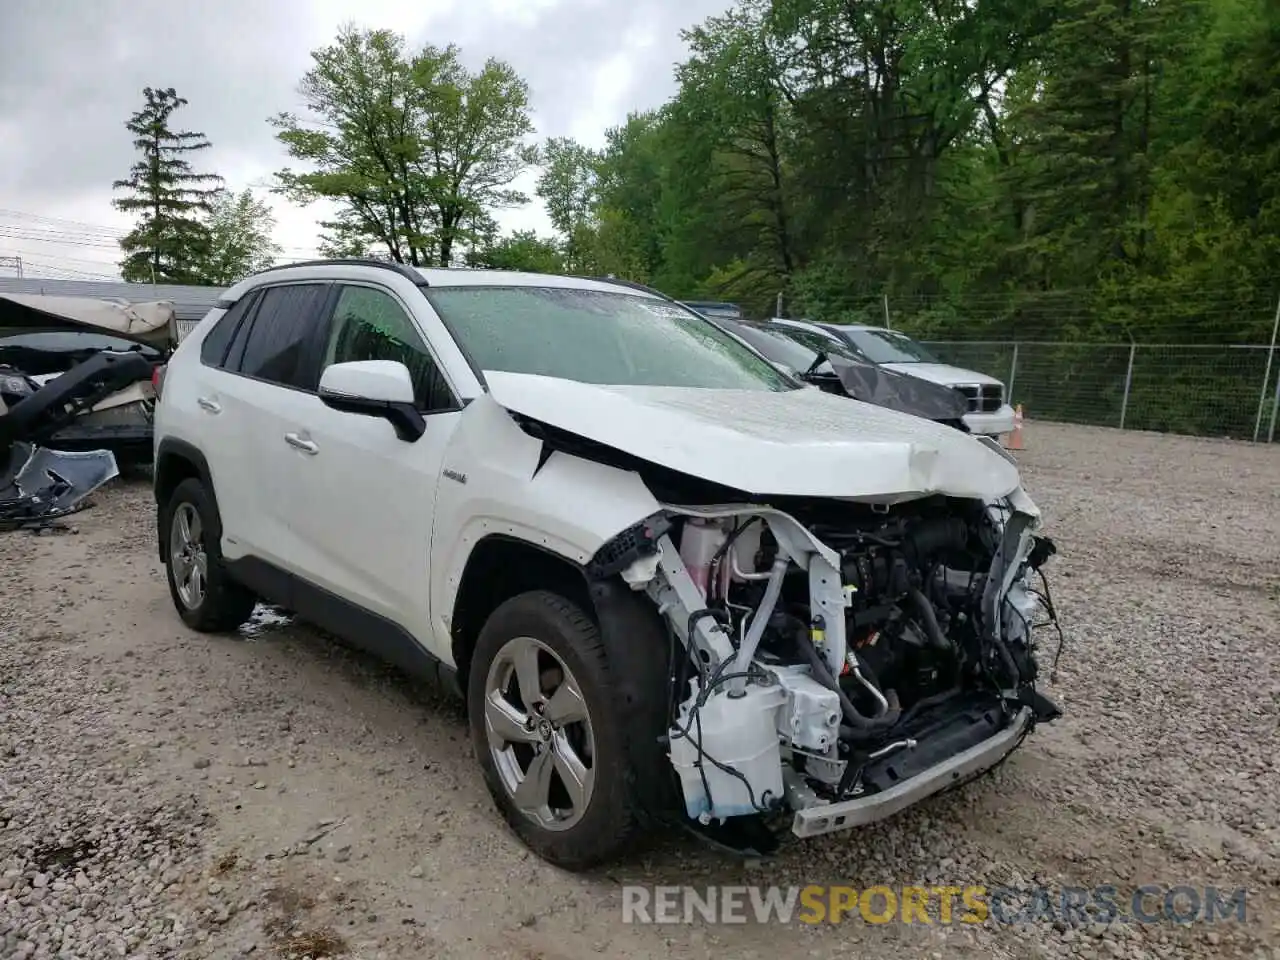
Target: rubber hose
[929,619]
[856,719]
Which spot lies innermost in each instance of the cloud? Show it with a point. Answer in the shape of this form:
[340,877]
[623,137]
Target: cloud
[71,73]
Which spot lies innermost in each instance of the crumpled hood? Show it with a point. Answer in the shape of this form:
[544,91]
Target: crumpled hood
[797,443]
[941,373]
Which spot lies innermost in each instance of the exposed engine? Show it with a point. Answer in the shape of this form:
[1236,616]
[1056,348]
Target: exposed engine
[837,649]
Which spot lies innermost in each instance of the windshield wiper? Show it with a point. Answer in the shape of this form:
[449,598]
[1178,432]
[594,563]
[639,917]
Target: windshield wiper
[818,361]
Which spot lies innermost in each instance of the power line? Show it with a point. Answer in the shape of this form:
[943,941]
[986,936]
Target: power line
[69,273]
[39,229]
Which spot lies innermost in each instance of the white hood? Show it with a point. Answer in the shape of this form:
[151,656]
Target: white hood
[798,443]
[942,373]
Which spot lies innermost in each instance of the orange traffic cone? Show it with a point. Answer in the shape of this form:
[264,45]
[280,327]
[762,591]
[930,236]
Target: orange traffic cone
[1015,438]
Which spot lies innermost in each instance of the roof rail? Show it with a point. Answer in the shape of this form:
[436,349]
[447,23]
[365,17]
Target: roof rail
[631,284]
[401,268]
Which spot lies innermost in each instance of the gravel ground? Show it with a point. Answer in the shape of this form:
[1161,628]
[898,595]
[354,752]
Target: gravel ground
[273,795]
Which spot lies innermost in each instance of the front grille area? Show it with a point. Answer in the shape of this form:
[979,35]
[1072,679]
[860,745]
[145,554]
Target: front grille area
[985,398]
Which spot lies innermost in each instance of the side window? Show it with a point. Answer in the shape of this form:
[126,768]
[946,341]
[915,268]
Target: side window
[369,324]
[274,345]
[213,349]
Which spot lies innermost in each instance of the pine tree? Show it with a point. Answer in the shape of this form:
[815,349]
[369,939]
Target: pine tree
[170,239]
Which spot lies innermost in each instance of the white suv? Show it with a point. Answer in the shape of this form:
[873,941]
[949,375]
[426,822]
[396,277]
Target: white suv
[672,583]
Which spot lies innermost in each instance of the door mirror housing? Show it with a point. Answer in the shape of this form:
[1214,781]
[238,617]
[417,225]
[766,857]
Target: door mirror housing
[374,388]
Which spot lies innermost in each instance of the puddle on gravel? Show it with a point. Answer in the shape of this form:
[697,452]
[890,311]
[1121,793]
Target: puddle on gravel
[265,620]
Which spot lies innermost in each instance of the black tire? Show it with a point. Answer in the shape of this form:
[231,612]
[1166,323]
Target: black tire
[613,812]
[225,604]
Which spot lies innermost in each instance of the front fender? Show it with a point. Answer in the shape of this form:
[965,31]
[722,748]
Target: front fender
[492,483]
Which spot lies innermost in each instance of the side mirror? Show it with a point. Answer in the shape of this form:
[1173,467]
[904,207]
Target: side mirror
[374,388]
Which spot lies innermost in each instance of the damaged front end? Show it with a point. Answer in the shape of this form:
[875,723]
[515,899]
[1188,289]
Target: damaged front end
[842,660]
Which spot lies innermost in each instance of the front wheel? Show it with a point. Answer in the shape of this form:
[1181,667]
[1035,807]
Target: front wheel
[549,733]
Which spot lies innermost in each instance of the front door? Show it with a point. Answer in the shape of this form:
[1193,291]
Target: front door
[361,500]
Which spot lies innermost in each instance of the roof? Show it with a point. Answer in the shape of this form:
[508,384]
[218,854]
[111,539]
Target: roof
[189,303]
[468,277]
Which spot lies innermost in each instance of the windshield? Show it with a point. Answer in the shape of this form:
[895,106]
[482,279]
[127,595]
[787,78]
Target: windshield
[597,336]
[831,346]
[774,345]
[886,346]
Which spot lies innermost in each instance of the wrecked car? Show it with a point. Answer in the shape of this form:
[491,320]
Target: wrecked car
[43,337]
[39,484]
[671,583]
[840,371]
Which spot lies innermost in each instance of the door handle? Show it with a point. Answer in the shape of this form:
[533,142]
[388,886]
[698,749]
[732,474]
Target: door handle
[211,405]
[306,446]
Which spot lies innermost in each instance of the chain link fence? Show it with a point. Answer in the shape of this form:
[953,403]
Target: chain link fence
[1221,391]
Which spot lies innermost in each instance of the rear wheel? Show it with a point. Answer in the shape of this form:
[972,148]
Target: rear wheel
[205,596]
[549,733]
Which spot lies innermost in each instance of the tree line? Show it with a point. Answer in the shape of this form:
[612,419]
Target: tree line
[1047,169]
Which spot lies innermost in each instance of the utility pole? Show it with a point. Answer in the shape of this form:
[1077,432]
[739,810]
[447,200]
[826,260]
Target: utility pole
[13,263]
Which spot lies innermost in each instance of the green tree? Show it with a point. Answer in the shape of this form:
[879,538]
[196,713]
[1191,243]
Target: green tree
[522,250]
[240,227]
[415,149]
[568,185]
[169,197]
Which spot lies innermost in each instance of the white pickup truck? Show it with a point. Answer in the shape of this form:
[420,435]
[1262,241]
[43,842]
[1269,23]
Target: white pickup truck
[672,583]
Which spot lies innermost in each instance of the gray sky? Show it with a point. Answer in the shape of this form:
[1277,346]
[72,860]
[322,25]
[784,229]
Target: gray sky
[72,71]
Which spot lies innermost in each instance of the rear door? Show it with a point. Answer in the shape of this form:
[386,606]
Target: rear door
[270,362]
[195,410]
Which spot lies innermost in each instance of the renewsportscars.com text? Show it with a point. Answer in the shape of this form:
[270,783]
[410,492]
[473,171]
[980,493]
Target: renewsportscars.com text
[944,905]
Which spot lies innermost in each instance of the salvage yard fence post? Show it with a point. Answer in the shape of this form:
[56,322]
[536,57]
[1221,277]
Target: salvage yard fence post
[1128,384]
[1275,407]
[1266,377]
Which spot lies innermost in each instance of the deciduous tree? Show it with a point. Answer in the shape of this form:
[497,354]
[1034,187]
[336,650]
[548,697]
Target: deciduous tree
[415,149]
[240,242]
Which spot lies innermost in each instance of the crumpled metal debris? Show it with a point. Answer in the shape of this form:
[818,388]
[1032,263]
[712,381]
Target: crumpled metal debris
[50,484]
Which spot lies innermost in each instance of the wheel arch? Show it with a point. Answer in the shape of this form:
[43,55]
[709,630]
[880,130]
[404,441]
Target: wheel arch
[175,461]
[499,567]
[635,637]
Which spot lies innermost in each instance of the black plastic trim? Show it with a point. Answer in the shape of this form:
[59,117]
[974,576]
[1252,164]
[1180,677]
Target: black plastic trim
[401,268]
[383,638]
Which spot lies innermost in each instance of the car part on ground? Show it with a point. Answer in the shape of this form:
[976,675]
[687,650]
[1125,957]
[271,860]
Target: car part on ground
[39,486]
[839,371]
[672,583]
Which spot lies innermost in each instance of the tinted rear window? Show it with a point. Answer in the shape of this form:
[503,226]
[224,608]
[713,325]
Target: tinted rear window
[274,347]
